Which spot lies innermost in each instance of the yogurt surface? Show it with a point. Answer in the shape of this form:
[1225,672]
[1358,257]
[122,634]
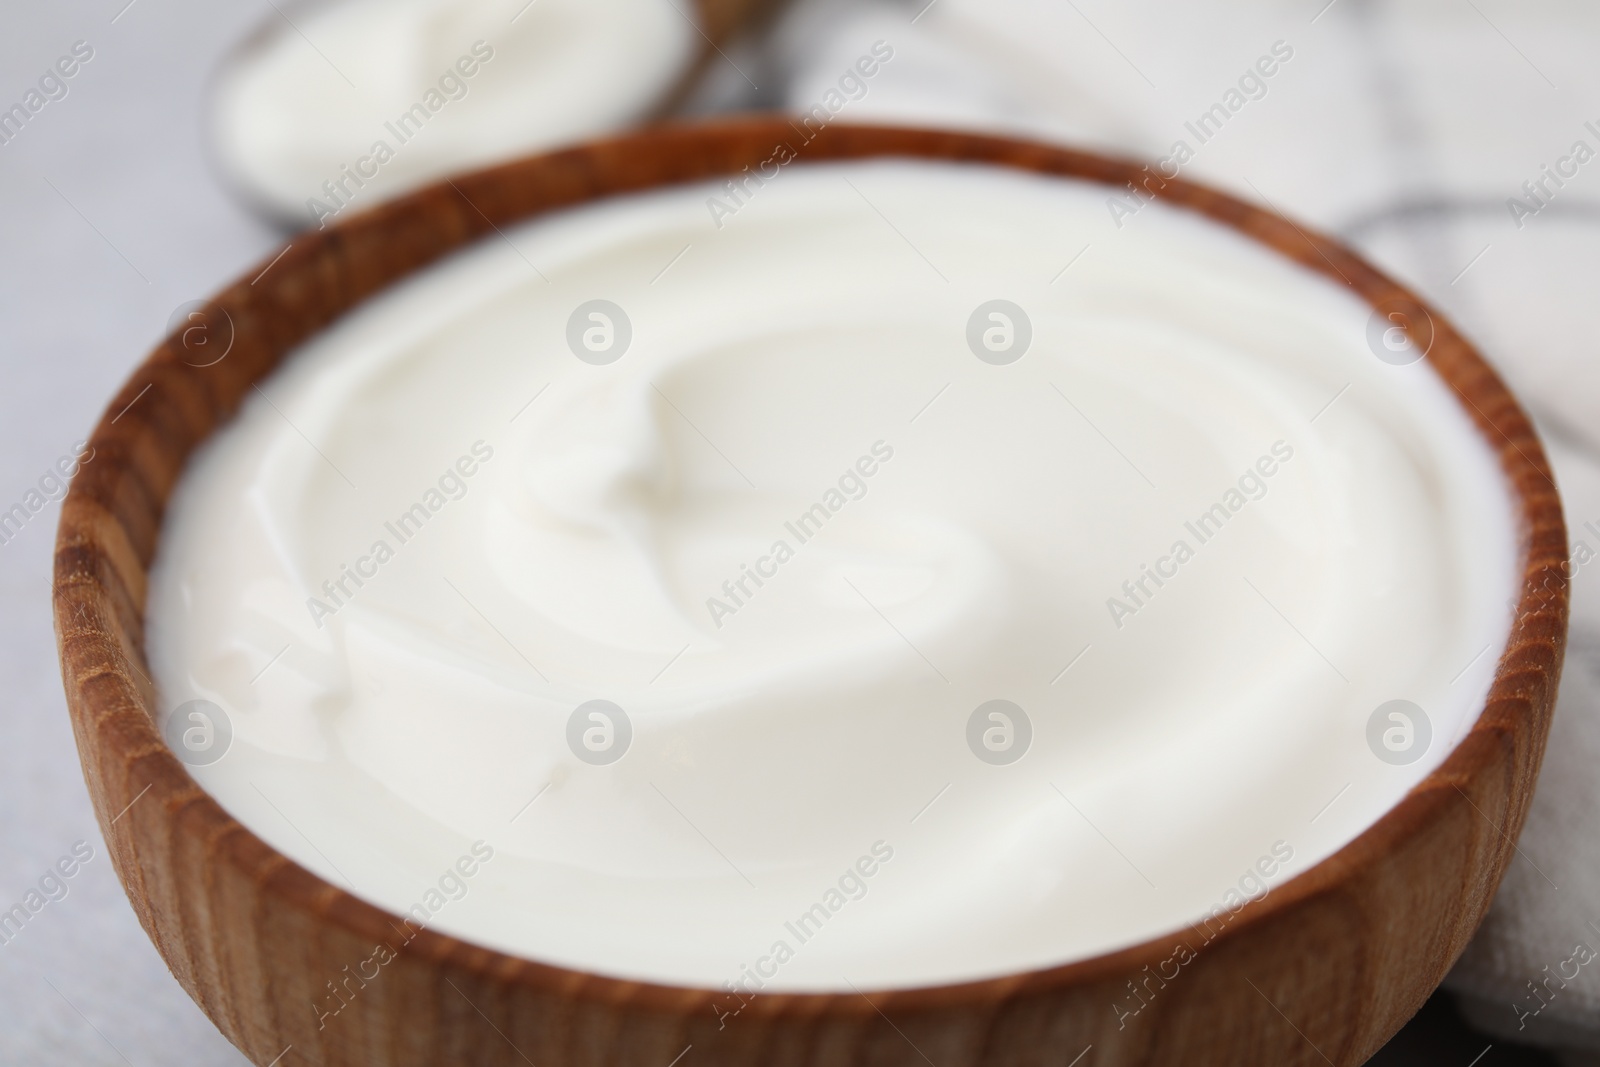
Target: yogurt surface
[347,102]
[895,574]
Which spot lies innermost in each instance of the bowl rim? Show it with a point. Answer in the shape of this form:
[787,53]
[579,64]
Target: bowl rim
[100,627]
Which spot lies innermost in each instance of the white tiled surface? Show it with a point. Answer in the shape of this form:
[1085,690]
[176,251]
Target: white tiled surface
[1403,126]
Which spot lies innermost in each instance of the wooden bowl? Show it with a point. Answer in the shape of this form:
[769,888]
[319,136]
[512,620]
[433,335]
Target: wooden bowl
[1322,971]
[717,23]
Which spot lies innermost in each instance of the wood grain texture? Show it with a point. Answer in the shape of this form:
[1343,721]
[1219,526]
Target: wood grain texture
[1322,971]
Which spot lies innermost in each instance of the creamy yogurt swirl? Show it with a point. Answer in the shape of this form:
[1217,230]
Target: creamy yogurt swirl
[346,102]
[797,495]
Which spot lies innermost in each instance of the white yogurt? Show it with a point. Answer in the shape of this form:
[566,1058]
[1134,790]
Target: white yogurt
[347,102]
[1198,533]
